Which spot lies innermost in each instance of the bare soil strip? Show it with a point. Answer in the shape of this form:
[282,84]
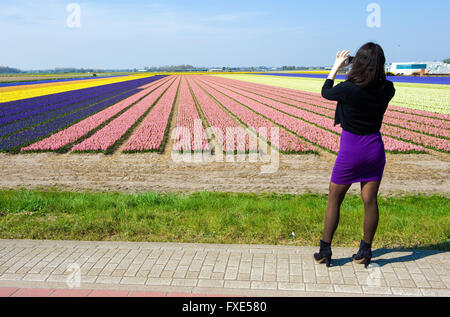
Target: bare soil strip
[404,174]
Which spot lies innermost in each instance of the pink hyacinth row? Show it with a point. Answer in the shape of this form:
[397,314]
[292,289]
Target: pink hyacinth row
[190,137]
[256,102]
[327,122]
[150,134]
[417,116]
[310,132]
[287,141]
[75,132]
[388,130]
[219,120]
[112,132]
[428,125]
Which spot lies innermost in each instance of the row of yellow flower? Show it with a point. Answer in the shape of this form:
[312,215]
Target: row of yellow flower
[31,91]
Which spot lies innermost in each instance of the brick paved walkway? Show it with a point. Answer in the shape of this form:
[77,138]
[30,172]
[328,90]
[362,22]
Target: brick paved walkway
[210,269]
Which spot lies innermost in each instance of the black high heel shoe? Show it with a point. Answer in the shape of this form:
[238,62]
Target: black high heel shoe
[364,254]
[324,254]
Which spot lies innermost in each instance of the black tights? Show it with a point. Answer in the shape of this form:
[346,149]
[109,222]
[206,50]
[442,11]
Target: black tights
[369,192]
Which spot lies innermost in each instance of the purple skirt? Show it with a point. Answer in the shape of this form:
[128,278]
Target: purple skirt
[361,158]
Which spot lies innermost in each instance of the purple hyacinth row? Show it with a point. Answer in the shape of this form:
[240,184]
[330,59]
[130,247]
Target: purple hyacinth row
[34,82]
[395,79]
[25,104]
[38,132]
[54,110]
[64,100]
[46,116]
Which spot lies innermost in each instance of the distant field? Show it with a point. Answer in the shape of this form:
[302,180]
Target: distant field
[428,97]
[13,93]
[8,78]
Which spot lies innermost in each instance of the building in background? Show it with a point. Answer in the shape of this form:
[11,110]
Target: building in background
[419,68]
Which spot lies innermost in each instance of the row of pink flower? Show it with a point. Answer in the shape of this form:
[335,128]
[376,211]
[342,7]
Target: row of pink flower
[150,134]
[77,131]
[106,137]
[219,120]
[256,102]
[190,137]
[392,144]
[308,131]
[410,120]
[286,143]
[387,130]
[431,126]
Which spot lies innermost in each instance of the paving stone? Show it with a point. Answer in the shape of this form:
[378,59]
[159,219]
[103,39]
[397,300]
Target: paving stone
[291,286]
[156,270]
[133,280]
[430,275]
[243,277]
[217,276]
[406,291]
[237,284]
[350,281]
[142,273]
[336,277]
[118,272]
[356,289]
[206,271]
[435,292]
[181,271]
[108,279]
[11,277]
[158,281]
[264,285]
[376,290]
[407,283]
[211,283]
[231,273]
[328,288]
[184,282]
[269,277]
[192,274]
[257,274]
[420,281]
[309,276]
[35,277]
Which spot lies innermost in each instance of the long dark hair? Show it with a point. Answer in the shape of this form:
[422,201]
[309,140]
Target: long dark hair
[367,67]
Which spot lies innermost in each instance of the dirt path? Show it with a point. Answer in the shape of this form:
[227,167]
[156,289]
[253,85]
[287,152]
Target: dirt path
[406,173]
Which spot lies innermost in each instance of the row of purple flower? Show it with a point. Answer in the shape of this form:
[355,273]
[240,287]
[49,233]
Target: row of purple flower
[396,79]
[34,82]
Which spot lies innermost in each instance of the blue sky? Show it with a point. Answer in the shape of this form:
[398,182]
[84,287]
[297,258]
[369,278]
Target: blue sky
[136,33]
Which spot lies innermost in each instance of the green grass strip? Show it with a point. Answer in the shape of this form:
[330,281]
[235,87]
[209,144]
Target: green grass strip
[212,217]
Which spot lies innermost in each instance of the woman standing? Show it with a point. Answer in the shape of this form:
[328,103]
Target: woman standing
[362,101]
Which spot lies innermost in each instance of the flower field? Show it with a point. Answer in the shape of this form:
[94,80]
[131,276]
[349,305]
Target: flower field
[427,97]
[18,92]
[135,115]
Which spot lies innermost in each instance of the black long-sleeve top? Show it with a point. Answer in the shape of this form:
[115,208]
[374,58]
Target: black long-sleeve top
[359,110]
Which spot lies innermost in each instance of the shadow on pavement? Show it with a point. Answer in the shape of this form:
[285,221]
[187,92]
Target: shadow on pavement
[409,254]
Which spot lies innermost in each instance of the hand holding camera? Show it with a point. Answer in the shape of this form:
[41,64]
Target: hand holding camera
[342,59]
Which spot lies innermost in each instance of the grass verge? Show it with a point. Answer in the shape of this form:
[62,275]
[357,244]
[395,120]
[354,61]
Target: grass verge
[212,217]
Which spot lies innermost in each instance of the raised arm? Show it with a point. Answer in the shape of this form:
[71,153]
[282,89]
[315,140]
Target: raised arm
[336,93]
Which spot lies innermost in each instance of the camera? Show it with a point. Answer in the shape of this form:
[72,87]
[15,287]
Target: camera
[349,59]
